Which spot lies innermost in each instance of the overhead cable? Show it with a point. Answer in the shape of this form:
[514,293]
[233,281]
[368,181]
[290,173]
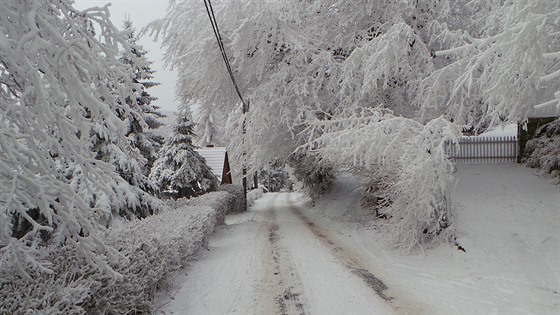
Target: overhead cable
[216,30]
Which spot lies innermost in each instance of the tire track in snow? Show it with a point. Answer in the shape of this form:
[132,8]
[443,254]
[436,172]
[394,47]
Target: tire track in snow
[284,282]
[358,268]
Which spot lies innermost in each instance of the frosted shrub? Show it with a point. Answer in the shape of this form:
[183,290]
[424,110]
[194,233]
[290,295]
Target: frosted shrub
[238,204]
[149,250]
[223,202]
[543,151]
[64,291]
[253,195]
[402,161]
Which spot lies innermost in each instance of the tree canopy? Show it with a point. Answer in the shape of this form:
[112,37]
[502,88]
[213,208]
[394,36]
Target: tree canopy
[331,81]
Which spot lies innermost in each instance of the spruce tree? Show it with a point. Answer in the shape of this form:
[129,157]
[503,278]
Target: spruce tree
[143,136]
[179,168]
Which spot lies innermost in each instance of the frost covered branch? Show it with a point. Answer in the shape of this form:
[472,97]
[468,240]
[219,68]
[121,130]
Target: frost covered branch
[63,133]
[403,161]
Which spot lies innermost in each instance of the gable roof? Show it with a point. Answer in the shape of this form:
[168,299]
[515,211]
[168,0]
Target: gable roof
[215,158]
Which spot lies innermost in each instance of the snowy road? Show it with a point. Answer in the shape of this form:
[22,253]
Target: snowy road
[274,260]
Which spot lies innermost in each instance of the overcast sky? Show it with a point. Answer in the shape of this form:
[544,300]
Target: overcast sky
[141,13]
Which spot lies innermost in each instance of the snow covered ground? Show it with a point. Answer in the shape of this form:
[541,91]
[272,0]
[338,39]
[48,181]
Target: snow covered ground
[285,257]
[506,219]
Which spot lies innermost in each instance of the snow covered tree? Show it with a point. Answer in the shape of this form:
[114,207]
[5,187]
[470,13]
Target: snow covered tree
[133,164]
[403,164]
[502,67]
[308,66]
[504,64]
[179,168]
[144,138]
[304,64]
[62,90]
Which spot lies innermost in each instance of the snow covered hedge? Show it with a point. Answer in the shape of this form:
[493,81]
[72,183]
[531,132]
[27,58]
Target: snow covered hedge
[238,204]
[150,250]
[253,195]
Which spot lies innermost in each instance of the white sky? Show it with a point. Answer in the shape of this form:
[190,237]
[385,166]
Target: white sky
[141,13]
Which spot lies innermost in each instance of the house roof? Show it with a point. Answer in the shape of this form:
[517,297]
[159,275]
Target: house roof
[215,158]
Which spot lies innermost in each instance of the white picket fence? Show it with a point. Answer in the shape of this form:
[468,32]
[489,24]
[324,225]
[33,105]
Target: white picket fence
[503,149]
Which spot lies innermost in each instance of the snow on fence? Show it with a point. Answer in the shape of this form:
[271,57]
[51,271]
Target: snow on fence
[484,150]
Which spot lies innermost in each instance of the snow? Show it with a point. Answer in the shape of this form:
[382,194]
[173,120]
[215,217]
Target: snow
[284,250]
[501,131]
[260,256]
[508,222]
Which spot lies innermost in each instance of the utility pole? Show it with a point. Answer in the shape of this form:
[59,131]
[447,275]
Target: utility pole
[245,111]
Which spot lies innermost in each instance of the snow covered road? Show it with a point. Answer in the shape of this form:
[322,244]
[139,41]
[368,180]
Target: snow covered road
[282,257]
[274,260]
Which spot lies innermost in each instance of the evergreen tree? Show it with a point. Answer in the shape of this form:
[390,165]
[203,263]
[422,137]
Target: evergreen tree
[179,168]
[135,110]
[143,136]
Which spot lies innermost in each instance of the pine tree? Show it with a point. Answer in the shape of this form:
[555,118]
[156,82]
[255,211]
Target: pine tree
[179,168]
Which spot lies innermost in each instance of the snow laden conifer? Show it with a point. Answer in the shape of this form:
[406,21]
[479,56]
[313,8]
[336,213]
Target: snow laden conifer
[62,91]
[143,136]
[133,162]
[179,168]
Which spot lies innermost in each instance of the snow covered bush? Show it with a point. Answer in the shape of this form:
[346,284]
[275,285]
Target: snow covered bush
[253,195]
[404,162]
[238,204]
[149,251]
[543,151]
[64,291]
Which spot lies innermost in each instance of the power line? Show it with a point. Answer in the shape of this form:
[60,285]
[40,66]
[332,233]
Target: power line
[216,30]
[212,17]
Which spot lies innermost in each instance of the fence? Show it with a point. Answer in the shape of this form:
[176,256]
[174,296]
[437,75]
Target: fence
[484,150]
